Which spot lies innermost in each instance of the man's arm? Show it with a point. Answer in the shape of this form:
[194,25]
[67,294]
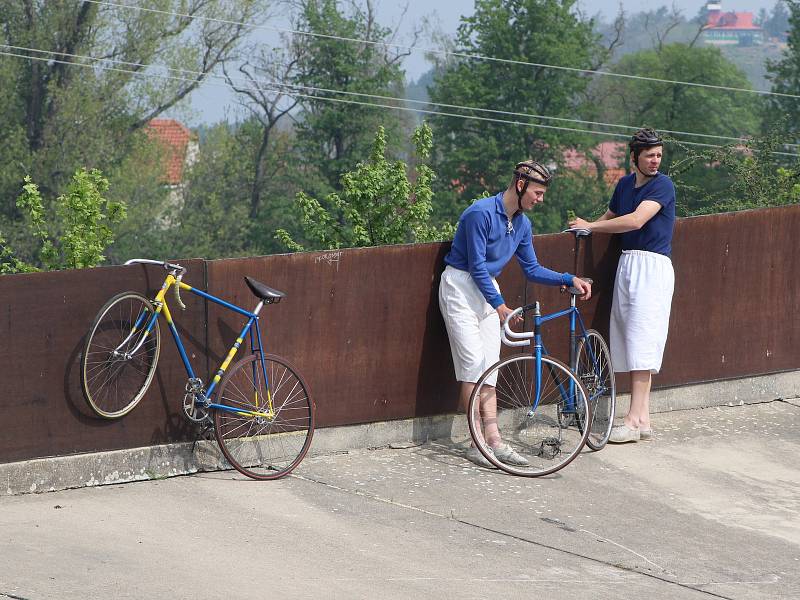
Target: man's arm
[610,223]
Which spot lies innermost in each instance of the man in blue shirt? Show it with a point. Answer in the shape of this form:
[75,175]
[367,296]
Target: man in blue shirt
[642,210]
[489,233]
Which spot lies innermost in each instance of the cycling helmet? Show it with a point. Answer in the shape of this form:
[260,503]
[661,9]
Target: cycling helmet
[530,170]
[646,137]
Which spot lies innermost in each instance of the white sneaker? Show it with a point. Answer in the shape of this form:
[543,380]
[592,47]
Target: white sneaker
[506,454]
[622,434]
[474,455]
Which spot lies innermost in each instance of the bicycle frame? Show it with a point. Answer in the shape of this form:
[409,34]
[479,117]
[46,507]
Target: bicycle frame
[538,350]
[251,327]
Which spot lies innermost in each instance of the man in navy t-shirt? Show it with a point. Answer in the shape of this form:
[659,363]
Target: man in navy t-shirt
[642,211]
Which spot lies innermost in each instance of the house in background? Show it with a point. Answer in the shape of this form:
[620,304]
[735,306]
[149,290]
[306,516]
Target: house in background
[612,157]
[730,27]
[180,147]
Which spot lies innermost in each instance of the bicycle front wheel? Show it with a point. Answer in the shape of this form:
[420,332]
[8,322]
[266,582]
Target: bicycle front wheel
[596,373]
[544,436]
[266,425]
[119,358]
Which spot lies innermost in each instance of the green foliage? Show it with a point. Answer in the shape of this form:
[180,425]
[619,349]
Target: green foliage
[776,22]
[753,177]
[785,77]
[80,233]
[335,135]
[474,158]
[676,107]
[580,192]
[59,115]
[378,204]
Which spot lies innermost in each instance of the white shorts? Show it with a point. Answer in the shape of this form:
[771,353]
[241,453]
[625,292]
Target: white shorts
[640,311]
[473,326]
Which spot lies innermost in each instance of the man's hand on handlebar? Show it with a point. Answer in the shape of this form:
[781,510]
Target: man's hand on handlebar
[503,311]
[578,223]
[585,287]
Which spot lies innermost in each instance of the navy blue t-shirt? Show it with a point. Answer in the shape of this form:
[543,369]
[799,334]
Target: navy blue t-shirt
[656,234]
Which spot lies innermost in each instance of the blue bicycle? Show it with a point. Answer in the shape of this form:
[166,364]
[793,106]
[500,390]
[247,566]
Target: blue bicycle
[261,409]
[545,410]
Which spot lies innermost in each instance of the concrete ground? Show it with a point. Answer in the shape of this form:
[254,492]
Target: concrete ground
[709,508]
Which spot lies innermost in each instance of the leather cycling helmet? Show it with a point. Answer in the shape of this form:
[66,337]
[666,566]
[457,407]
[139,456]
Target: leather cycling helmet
[530,170]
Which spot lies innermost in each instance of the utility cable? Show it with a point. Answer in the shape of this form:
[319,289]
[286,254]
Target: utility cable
[466,55]
[280,89]
[284,86]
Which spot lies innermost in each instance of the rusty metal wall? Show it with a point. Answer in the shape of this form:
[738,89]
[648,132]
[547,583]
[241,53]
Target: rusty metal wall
[363,326]
[737,296]
[45,317]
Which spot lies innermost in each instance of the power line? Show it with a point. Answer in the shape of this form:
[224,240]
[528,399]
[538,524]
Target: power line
[280,88]
[284,86]
[443,52]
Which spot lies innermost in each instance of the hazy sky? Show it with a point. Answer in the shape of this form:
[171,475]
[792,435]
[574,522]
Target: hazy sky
[213,103]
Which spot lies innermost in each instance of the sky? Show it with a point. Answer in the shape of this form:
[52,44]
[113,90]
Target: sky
[213,103]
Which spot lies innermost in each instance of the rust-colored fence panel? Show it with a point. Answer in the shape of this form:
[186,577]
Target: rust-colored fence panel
[737,296]
[45,317]
[363,326]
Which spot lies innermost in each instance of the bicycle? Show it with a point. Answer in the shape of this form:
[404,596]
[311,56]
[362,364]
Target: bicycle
[547,411]
[262,414]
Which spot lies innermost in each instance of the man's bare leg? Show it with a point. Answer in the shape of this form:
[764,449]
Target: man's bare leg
[488,410]
[638,416]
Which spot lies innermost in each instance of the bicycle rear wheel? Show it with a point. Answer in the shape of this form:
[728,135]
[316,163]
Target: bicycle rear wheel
[272,443]
[596,373]
[115,374]
[546,436]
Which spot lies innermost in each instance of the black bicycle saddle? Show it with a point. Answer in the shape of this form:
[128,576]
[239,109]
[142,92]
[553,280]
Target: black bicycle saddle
[266,293]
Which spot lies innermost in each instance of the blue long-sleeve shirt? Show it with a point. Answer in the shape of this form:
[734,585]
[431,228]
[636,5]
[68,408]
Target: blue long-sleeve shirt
[486,240]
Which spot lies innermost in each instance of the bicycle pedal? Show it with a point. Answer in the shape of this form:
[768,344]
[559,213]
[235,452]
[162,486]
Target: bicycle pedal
[207,432]
[549,448]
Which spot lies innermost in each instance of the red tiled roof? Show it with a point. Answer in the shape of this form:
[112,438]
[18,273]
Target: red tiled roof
[731,20]
[611,154]
[175,136]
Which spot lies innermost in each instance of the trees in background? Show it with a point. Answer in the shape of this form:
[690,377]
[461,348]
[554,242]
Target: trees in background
[308,126]
[76,236]
[379,203]
[473,156]
[79,84]
[338,79]
[785,77]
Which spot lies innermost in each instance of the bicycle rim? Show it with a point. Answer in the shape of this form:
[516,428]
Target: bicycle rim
[272,443]
[115,374]
[546,436]
[596,372]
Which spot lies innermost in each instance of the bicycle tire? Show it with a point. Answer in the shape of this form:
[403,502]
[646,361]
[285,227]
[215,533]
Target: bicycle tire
[548,436]
[258,447]
[113,385]
[596,372]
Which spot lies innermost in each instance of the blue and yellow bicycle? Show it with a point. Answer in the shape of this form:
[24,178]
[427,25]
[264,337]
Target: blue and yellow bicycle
[261,409]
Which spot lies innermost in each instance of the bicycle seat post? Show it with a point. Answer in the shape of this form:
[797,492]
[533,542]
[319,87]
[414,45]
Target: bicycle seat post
[579,235]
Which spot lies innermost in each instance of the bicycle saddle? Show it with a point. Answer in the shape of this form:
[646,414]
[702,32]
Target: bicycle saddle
[264,292]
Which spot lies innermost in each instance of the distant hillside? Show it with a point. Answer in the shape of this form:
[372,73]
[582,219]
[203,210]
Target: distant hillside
[643,31]
[753,61]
